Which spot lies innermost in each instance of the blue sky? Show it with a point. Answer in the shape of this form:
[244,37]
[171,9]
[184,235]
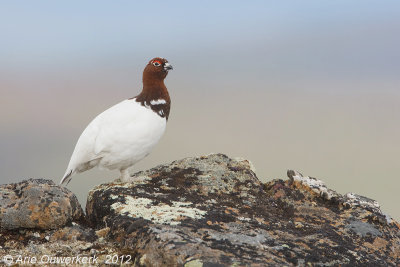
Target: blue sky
[39,34]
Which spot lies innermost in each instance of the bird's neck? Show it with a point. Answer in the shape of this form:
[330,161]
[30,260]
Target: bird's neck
[155,96]
[153,90]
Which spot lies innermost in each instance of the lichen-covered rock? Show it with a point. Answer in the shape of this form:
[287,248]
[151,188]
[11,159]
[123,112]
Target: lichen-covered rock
[38,204]
[213,211]
[69,246]
[205,211]
[176,190]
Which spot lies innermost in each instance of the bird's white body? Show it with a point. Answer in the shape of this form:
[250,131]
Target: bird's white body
[117,139]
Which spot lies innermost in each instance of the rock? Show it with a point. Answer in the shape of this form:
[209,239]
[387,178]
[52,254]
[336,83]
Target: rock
[205,211]
[37,204]
[213,211]
[171,197]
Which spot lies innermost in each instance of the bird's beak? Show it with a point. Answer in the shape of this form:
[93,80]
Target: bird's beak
[167,67]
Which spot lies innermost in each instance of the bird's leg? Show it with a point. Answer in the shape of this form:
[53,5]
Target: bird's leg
[125,176]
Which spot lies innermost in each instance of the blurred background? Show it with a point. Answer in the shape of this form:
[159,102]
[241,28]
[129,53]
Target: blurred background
[311,85]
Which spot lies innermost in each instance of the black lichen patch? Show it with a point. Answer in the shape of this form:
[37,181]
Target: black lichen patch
[177,178]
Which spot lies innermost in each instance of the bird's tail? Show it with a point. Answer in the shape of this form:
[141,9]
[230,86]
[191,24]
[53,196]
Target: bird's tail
[67,177]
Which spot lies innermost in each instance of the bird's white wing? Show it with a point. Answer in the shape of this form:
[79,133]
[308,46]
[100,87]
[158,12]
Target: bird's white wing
[83,156]
[84,148]
[116,126]
[91,143]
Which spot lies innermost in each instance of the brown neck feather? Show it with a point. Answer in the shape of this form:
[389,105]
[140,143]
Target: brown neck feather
[155,89]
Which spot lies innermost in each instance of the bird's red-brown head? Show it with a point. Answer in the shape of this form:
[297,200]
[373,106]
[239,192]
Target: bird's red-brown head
[156,69]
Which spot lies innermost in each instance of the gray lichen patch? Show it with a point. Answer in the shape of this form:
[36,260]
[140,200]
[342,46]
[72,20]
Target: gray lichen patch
[157,213]
[363,229]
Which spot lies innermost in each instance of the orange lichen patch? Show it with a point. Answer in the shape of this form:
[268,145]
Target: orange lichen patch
[119,238]
[379,243]
[298,225]
[337,223]
[299,219]
[59,235]
[306,188]
[262,221]
[223,225]
[180,218]
[36,215]
[278,234]
[32,207]
[164,187]
[230,210]
[47,216]
[396,224]
[103,232]
[279,194]
[204,190]
[325,242]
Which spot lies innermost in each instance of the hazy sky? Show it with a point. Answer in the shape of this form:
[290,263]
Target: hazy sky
[310,85]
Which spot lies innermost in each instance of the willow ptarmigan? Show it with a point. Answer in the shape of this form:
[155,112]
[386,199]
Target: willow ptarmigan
[125,133]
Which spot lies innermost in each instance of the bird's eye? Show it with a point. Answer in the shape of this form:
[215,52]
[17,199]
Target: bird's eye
[157,63]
